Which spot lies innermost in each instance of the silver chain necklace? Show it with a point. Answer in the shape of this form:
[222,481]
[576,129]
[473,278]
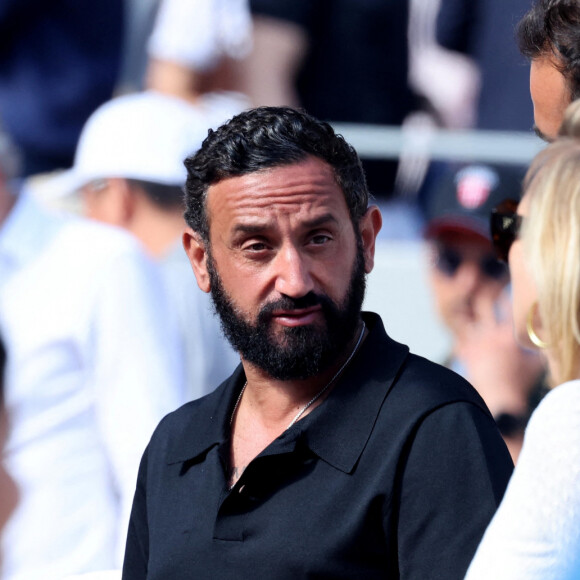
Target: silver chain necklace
[319,394]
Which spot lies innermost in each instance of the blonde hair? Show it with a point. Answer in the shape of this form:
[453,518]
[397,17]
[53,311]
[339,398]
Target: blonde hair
[551,241]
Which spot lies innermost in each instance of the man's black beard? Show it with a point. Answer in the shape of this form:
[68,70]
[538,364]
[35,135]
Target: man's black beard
[304,351]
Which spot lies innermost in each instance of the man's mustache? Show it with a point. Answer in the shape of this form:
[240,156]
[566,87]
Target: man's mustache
[288,303]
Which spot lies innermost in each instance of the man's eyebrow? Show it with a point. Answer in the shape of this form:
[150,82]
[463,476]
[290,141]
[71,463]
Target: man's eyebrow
[258,228]
[541,135]
[320,221]
[250,229]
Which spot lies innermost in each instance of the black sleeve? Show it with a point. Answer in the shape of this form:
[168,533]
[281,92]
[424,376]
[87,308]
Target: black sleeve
[137,547]
[454,477]
[297,12]
[455,25]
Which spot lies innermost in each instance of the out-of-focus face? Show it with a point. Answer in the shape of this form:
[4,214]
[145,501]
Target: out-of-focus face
[464,272]
[550,96]
[524,292]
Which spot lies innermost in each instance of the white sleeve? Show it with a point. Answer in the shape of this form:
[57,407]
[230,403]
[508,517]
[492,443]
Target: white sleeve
[197,33]
[535,533]
[138,369]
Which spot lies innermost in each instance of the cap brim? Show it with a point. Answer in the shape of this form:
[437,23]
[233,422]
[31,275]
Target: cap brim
[62,184]
[459,225]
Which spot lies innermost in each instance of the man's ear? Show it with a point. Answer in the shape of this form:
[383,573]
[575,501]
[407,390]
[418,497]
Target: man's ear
[197,254]
[114,202]
[124,202]
[369,226]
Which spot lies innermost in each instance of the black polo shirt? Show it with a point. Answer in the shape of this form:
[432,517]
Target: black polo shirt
[395,475]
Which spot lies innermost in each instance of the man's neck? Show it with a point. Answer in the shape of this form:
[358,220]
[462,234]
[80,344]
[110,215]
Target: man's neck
[276,402]
[273,402]
[158,230]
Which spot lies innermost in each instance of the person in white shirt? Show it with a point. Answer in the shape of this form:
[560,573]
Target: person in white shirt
[535,533]
[93,366]
[129,168]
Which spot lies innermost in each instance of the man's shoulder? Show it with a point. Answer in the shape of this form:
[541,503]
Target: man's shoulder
[62,227]
[419,368]
[108,255]
[98,238]
[413,382]
[68,239]
[428,385]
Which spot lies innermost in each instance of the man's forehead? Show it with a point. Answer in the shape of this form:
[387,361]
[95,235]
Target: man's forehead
[303,184]
[309,165]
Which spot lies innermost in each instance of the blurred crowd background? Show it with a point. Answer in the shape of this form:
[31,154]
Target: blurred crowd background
[104,327]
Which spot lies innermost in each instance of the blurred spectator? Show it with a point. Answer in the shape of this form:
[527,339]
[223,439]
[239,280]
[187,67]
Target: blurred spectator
[549,34]
[484,30]
[129,164]
[93,366]
[342,61]
[468,284]
[194,46]
[59,60]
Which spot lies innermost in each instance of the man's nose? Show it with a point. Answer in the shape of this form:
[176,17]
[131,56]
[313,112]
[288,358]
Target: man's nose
[293,273]
[469,276]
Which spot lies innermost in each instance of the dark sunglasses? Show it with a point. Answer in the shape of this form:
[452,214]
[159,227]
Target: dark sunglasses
[505,226]
[449,260]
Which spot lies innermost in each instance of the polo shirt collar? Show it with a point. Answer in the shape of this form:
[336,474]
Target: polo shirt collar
[215,410]
[339,429]
[336,431]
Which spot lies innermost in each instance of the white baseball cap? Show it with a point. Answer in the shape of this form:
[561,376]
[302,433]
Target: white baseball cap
[143,136]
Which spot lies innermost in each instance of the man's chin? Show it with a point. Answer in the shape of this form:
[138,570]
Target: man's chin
[285,338]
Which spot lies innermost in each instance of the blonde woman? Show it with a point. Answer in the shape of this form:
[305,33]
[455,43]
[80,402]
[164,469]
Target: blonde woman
[536,530]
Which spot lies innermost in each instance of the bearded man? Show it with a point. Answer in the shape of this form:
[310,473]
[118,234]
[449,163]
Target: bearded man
[331,451]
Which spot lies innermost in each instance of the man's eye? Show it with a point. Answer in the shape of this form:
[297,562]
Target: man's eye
[320,239]
[256,247]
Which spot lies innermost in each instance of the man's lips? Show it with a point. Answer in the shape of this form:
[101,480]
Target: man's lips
[298,316]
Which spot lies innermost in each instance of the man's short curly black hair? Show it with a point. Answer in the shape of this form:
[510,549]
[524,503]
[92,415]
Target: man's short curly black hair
[552,27]
[268,137]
